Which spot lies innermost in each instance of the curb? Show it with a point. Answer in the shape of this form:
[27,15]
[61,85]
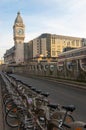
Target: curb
[66,82]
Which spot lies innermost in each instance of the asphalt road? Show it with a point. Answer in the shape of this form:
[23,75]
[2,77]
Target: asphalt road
[61,94]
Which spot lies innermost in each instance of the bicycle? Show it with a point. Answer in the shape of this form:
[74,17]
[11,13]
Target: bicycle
[61,124]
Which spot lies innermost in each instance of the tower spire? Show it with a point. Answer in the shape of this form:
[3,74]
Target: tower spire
[18,13]
[18,18]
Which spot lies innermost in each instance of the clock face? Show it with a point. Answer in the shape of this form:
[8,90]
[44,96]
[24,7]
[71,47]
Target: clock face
[20,32]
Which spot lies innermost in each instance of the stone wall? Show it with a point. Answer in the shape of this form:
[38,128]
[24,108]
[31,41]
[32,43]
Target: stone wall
[72,72]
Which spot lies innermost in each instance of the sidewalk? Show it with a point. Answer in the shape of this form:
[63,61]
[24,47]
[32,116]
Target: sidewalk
[1,112]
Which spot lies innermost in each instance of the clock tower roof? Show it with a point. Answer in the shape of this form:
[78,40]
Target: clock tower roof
[18,19]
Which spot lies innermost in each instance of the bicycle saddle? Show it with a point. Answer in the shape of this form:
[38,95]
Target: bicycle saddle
[70,108]
[45,94]
[24,83]
[14,78]
[34,89]
[84,126]
[29,86]
[54,106]
[18,80]
[38,91]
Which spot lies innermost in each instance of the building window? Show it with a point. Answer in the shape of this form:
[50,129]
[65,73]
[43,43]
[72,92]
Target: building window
[53,53]
[53,40]
[77,42]
[68,43]
[73,43]
[20,42]
[37,44]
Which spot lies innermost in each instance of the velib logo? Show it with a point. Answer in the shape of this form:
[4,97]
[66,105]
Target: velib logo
[52,67]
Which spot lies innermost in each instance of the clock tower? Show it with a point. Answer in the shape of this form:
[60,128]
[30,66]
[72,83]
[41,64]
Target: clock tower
[19,35]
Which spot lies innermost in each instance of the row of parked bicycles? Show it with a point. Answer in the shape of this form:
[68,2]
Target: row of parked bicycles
[27,108]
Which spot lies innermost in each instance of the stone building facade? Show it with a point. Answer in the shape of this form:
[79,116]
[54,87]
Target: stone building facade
[51,45]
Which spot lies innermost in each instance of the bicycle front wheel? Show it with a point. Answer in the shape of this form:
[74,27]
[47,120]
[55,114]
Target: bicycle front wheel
[69,119]
[52,126]
[12,120]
